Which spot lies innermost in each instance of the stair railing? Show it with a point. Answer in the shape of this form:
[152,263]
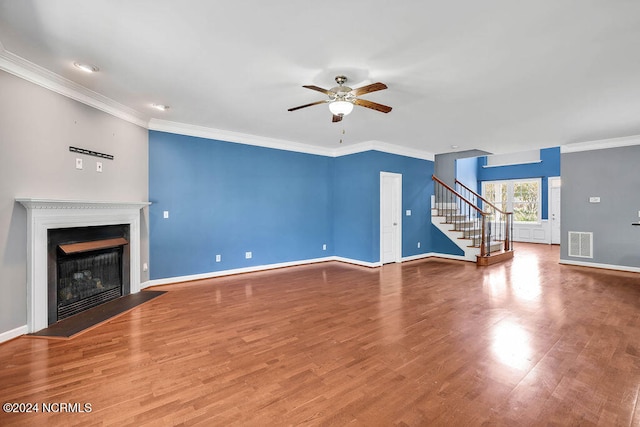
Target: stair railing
[462,213]
[499,220]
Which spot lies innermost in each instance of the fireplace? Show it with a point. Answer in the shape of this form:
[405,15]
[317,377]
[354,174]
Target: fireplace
[87,266]
[47,214]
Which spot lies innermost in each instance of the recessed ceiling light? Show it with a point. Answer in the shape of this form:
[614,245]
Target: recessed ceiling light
[87,68]
[160,107]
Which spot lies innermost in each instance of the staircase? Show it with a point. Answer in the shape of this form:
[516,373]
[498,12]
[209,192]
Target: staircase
[475,225]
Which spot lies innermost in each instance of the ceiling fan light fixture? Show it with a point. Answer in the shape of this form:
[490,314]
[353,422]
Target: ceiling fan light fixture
[340,108]
[160,107]
[87,68]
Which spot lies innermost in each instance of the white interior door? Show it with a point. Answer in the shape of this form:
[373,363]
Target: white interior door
[390,217]
[554,209]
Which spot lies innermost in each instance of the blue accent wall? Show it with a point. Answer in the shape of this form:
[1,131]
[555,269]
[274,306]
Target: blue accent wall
[467,172]
[225,198]
[357,204]
[549,166]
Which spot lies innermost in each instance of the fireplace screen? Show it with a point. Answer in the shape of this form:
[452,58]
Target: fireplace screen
[88,279]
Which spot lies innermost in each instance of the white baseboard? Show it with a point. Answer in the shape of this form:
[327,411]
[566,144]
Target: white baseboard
[212,274]
[356,262]
[416,257]
[14,333]
[598,265]
[449,256]
[222,273]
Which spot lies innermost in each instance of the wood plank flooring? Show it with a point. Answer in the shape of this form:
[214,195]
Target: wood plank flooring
[527,342]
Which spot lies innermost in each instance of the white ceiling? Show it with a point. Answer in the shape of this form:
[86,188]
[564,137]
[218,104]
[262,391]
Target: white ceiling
[495,75]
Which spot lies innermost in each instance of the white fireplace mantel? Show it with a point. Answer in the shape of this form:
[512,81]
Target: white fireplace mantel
[46,214]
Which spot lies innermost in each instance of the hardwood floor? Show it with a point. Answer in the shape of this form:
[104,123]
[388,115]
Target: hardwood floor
[527,342]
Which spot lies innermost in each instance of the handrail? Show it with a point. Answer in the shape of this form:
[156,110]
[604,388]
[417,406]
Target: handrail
[470,218]
[482,198]
[435,178]
[508,229]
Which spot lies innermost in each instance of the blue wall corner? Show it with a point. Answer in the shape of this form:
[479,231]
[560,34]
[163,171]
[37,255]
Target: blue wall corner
[356,204]
[226,198]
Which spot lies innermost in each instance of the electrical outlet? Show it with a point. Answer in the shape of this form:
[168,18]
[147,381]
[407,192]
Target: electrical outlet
[324,247]
[165,214]
[78,163]
[98,166]
[408,212]
[218,258]
[418,245]
[248,255]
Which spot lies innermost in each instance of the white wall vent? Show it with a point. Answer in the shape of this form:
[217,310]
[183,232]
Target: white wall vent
[580,244]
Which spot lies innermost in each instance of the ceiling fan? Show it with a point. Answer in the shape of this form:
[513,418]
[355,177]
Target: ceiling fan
[343,98]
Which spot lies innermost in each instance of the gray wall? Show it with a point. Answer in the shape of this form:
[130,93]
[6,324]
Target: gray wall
[445,164]
[37,127]
[612,175]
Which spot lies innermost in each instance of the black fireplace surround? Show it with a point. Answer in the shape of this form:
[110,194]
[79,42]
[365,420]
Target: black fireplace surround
[87,266]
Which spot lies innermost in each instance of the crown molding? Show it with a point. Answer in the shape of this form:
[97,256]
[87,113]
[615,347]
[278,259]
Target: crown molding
[281,144]
[600,144]
[20,67]
[237,137]
[384,147]
[36,74]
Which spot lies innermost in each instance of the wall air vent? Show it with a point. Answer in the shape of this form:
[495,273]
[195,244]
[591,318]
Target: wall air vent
[580,244]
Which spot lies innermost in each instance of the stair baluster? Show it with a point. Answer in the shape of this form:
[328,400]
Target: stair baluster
[489,229]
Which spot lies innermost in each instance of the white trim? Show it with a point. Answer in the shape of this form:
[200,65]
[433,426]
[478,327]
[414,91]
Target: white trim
[550,187]
[600,144]
[235,137]
[20,67]
[384,147]
[416,257]
[356,262]
[449,256]
[397,180]
[511,164]
[13,333]
[36,74]
[253,269]
[46,214]
[282,144]
[598,265]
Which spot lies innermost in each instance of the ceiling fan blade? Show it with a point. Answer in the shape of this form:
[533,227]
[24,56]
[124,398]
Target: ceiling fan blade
[319,89]
[308,105]
[372,105]
[369,88]
[336,118]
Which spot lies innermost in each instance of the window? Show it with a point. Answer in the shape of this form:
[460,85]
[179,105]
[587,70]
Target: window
[522,197]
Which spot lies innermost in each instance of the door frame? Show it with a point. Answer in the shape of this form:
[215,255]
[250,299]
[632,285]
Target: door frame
[551,207]
[398,238]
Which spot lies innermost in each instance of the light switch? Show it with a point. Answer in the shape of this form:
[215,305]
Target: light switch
[78,163]
[98,166]
[594,199]
[165,214]
[408,212]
